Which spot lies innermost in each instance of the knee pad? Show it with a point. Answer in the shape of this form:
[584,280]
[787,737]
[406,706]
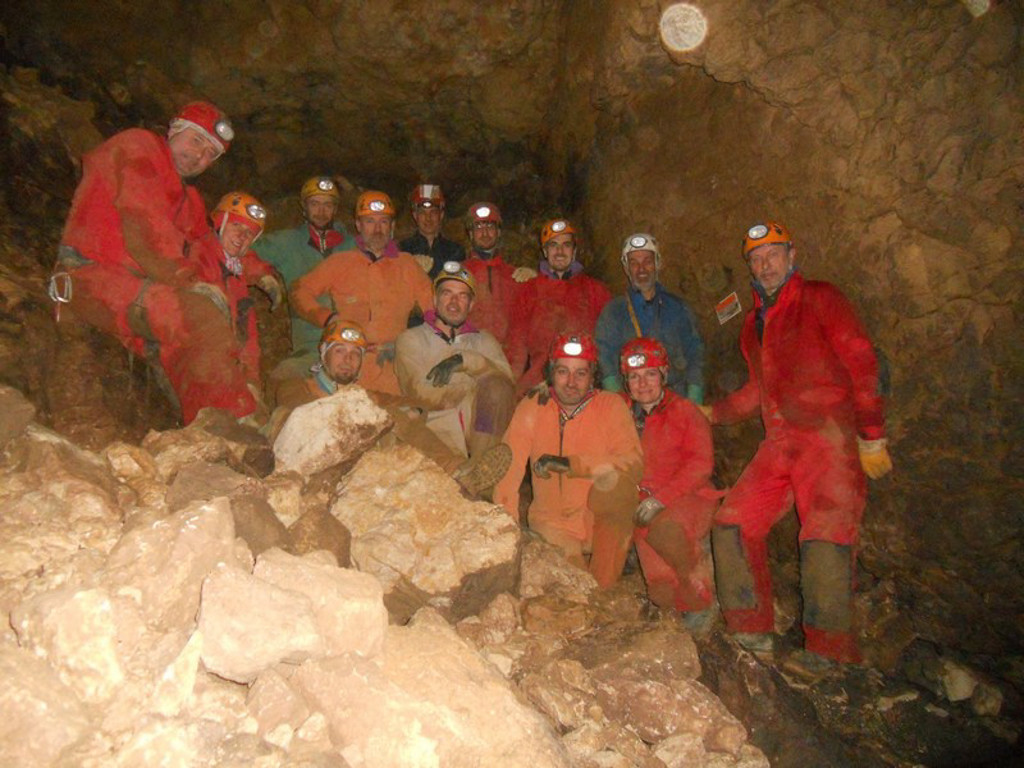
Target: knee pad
[827,585]
[733,577]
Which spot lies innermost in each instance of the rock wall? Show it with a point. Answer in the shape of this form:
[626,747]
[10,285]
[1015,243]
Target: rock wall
[890,143]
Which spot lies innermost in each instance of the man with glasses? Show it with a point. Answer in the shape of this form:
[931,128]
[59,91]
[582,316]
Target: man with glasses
[813,378]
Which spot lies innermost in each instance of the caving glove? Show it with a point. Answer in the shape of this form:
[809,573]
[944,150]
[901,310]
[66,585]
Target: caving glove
[646,511]
[548,463]
[874,457]
[441,373]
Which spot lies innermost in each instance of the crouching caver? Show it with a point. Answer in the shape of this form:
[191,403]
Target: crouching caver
[814,381]
[454,372]
[343,345]
[584,456]
[131,264]
[677,499]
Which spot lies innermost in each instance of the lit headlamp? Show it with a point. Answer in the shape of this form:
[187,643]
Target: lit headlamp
[223,129]
[482,212]
[637,361]
[757,231]
[325,185]
[572,348]
[558,226]
[256,211]
[637,241]
[352,335]
[377,206]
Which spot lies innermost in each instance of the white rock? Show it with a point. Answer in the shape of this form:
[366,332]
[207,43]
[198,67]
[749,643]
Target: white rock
[165,562]
[411,527]
[284,494]
[348,605]
[958,682]
[39,715]
[329,431]
[249,625]
[432,701]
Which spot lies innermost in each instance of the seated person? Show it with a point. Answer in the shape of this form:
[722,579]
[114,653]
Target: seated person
[343,346]
[677,499]
[456,373]
[584,456]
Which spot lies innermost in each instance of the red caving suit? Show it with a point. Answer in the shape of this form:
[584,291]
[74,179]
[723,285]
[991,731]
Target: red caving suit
[678,460]
[496,294]
[814,377]
[548,306]
[129,240]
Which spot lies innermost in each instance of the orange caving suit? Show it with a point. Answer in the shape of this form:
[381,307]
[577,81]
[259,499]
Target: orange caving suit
[378,293]
[678,460]
[814,379]
[548,306]
[590,508]
[130,244]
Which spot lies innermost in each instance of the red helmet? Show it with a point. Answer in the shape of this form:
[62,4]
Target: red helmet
[578,345]
[427,195]
[208,120]
[483,212]
[642,353]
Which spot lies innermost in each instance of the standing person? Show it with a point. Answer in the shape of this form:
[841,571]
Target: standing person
[648,309]
[428,245]
[131,264]
[238,220]
[456,373]
[585,460]
[813,378]
[294,252]
[677,499]
[498,283]
[375,284]
[561,299]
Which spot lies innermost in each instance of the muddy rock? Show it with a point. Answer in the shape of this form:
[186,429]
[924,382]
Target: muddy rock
[317,530]
[412,529]
[16,412]
[545,571]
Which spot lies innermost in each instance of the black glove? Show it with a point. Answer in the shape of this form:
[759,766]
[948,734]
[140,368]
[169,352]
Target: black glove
[441,373]
[548,463]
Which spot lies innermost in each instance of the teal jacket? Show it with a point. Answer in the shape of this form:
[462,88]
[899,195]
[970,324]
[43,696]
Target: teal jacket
[293,253]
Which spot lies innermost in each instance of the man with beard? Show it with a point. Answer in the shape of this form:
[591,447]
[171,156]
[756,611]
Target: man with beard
[584,455]
[454,372]
[374,284]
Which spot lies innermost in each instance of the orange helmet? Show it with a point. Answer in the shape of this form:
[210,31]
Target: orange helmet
[320,185]
[373,202]
[453,270]
[427,195]
[578,345]
[555,227]
[207,120]
[483,212]
[642,353]
[241,207]
[338,330]
[768,233]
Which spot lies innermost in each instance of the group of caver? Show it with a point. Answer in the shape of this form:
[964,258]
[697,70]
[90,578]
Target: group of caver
[501,373]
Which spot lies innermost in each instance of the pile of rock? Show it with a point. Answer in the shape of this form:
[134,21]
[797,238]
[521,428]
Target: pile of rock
[179,603]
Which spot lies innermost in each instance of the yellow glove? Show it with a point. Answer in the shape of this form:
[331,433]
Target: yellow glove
[874,458]
[272,287]
[426,262]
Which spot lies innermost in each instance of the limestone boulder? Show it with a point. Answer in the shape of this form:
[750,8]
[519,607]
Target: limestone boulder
[429,700]
[330,431]
[318,529]
[15,413]
[426,543]
[545,571]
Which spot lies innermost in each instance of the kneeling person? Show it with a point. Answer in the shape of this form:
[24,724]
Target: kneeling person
[677,499]
[455,373]
[343,345]
[585,459]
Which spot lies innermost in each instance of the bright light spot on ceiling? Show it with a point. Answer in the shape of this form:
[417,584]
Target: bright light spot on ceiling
[683,27]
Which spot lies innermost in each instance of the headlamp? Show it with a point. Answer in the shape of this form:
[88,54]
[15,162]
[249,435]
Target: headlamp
[223,129]
[482,212]
[558,226]
[256,211]
[377,206]
[425,204]
[637,241]
[757,231]
[351,334]
[572,348]
[452,267]
[325,185]
[637,361]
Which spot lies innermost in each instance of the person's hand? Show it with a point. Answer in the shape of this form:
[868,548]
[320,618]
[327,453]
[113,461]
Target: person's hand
[271,286]
[705,409]
[646,511]
[874,458]
[214,294]
[441,373]
[522,274]
[548,463]
[385,353]
[426,262]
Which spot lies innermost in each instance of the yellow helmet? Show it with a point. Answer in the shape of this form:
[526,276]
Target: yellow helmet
[242,207]
[320,185]
[374,202]
[453,270]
